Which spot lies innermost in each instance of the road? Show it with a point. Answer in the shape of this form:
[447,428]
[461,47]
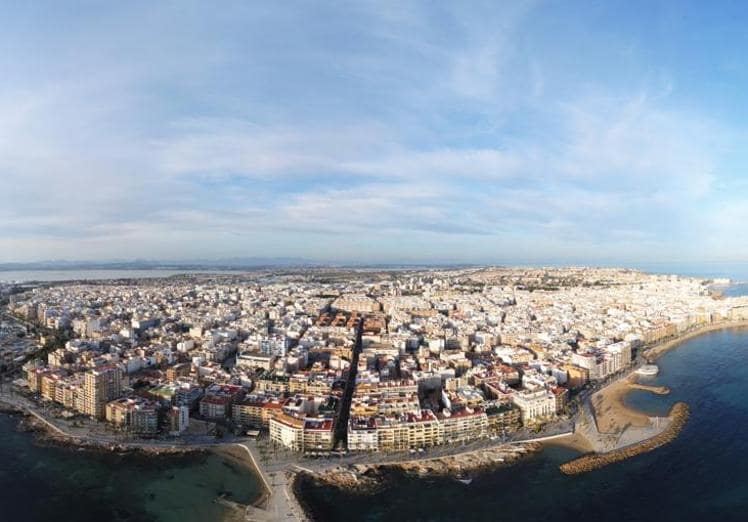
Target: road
[344,410]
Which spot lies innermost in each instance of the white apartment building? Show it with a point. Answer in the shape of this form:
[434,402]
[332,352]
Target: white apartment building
[535,405]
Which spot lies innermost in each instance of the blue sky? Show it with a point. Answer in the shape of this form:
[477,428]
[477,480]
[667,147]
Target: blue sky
[581,132]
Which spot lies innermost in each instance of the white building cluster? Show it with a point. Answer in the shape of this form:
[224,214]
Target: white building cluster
[448,355]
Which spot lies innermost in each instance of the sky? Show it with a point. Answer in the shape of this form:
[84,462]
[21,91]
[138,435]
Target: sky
[477,132]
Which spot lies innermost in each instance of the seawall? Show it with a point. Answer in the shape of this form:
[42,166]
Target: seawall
[679,416]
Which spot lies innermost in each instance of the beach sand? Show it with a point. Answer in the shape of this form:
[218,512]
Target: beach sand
[612,413]
[575,441]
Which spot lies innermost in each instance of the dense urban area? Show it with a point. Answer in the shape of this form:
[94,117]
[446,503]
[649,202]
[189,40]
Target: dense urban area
[323,360]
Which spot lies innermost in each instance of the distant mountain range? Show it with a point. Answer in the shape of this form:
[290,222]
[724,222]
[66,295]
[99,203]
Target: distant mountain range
[150,264]
[233,263]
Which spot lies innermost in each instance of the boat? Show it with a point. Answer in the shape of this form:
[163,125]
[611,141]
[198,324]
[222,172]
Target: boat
[465,481]
[648,370]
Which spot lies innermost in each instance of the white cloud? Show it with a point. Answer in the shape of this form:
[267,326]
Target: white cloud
[439,129]
[636,144]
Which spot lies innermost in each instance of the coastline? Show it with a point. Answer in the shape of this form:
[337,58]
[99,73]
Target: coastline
[659,349]
[278,500]
[678,415]
[612,417]
[366,479]
[365,475]
[236,512]
[44,436]
[287,492]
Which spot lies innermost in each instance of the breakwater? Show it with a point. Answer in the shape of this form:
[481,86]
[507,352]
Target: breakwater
[678,417]
[649,487]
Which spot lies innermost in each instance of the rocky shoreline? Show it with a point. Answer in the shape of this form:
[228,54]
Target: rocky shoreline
[678,416]
[9,408]
[45,436]
[368,478]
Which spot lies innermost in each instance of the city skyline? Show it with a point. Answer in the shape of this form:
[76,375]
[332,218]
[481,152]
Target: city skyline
[373,133]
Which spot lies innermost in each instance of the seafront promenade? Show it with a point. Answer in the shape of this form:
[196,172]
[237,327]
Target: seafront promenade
[278,501]
[276,467]
[608,426]
[661,348]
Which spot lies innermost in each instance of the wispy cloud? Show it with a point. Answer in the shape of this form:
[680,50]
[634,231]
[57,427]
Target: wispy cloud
[410,130]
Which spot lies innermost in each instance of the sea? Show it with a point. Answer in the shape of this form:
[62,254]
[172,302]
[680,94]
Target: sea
[41,483]
[701,476]
[23,276]
[736,271]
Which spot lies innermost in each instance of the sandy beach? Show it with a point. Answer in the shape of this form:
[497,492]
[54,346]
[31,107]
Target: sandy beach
[657,350]
[610,417]
[612,413]
[678,417]
[235,512]
[575,441]
[240,456]
[277,501]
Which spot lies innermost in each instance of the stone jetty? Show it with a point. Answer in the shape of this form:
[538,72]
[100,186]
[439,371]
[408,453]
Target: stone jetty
[678,417]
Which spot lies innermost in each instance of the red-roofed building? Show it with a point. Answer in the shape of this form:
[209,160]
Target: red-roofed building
[464,424]
[318,434]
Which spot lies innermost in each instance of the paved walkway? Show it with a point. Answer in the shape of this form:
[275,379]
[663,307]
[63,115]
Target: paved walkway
[98,433]
[280,502]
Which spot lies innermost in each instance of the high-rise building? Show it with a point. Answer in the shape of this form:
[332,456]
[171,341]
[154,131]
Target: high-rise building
[100,386]
[179,419]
